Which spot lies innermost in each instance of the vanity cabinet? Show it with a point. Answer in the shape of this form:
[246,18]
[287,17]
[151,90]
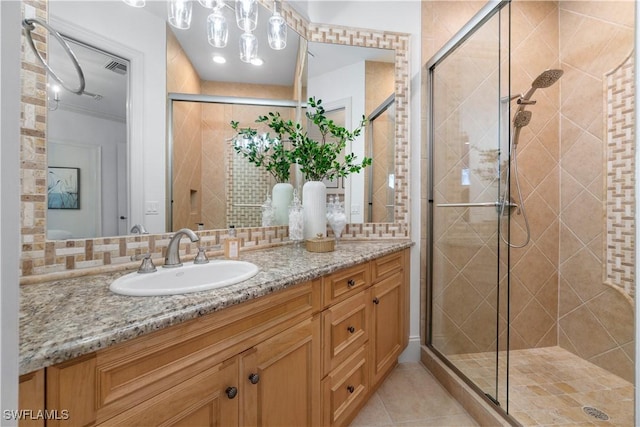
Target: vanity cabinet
[308,355]
[365,328]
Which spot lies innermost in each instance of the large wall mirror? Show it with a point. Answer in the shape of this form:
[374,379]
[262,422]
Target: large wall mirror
[373,80]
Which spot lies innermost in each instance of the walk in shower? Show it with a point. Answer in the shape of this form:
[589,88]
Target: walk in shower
[531,208]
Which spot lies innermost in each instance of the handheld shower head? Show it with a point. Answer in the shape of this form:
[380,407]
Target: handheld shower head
[544,80]
[521,118]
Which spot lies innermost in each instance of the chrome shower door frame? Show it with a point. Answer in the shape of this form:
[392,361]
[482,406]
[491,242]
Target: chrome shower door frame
[470,212]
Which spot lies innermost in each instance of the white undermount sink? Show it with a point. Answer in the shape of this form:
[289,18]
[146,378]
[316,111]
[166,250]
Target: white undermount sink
[188,278]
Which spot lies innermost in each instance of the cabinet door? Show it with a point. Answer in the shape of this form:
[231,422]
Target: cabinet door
[31,399]
[208,399]
[386,340]
[280,378]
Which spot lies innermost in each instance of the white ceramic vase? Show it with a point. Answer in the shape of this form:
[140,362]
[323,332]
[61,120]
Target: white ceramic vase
[281,197]
[314,204]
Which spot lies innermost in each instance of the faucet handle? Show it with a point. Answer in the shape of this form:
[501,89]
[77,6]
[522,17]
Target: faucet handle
[147,265]
[201,257]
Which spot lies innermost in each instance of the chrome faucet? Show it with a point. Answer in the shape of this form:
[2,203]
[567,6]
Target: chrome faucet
[172,257]
[139,229]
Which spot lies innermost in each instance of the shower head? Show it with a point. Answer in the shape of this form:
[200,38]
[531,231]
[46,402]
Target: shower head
[544,80]
[547,78]
[521,118]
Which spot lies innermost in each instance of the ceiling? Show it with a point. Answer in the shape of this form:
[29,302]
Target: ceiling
[278,66]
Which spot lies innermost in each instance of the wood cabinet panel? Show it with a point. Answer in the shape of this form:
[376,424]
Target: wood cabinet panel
[345,389]
[386,340]
[280,379]
[71,387]
[342,284]
[31,398]
[345,328]
[202,400]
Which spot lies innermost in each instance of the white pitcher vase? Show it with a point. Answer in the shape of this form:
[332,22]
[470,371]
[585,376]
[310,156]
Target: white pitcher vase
[314,204]
[281,197]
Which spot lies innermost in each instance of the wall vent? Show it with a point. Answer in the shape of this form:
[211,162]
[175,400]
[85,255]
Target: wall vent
[116,67]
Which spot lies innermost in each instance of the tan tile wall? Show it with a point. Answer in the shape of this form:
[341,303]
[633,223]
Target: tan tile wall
[378,87]
[187,138]
[43,260]
[596,320]
[559,295]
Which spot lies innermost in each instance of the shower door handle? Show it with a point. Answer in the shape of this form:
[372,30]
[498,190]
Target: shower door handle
[468,205]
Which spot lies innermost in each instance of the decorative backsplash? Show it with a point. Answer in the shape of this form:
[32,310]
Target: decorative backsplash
[620,167]
[45,260]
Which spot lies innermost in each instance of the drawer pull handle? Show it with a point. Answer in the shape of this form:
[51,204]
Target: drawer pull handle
[231,392]
[376,301]
[351,283]
[351,329]
[350,389]
[254,378]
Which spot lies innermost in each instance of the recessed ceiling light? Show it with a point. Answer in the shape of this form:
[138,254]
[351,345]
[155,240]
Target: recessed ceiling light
[257,61]
[219,59]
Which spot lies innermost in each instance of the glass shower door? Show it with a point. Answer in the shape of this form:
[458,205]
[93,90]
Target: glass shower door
[468,281]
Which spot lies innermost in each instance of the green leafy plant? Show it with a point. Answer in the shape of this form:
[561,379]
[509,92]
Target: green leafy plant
[263,151]
[317,159]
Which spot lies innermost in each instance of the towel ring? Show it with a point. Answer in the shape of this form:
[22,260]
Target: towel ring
[29,26]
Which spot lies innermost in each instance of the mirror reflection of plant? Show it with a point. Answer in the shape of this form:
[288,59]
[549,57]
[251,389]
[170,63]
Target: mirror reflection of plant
[317,160]
[263,151]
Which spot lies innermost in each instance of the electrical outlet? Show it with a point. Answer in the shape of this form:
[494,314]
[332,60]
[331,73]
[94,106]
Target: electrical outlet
[355,209]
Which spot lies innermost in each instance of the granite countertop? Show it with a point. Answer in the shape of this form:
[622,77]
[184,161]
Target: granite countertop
[63,319]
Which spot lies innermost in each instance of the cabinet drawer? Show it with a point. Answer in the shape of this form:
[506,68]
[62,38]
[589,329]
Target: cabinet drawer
[387,265]
[137,370]
[344,283]
[345,329]
[344,390]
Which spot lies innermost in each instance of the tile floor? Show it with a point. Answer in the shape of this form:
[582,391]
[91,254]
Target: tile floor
[550,386]
[411,396]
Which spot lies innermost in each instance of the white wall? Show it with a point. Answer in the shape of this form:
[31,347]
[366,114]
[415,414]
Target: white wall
[346,83]
[140,37]
[9,204]
[107,136]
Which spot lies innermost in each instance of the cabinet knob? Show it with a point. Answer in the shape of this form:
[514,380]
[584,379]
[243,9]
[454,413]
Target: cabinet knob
[350,388]
[351,283]
[231,392]
[351,329]
[376,301]
[254,378]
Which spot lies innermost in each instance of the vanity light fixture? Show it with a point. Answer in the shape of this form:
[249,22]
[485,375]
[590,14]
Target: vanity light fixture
[135,3]
[54,103]
[246,11]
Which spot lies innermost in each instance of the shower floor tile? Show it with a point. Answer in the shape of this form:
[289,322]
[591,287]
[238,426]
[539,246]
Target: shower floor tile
[551,386]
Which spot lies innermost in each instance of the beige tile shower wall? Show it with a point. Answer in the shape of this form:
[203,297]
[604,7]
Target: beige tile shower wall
[534,268]
[379,78]
[596,320]
[440,22]
[187,138]
[214,178]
